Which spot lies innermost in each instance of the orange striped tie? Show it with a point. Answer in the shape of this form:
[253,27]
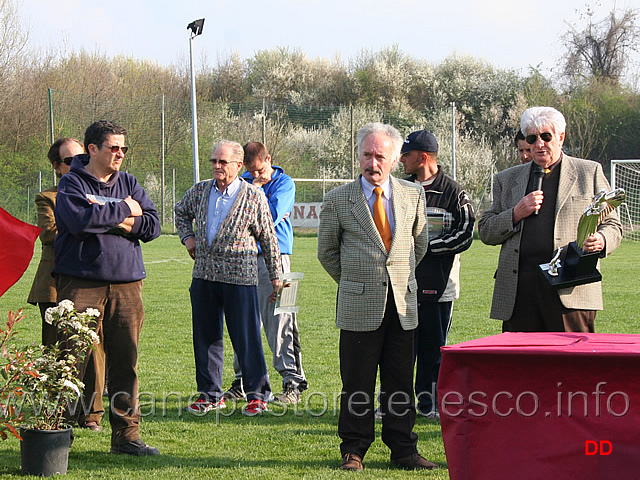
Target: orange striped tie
[380,219]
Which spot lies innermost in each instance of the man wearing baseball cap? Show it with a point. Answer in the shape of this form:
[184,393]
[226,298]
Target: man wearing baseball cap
[451,221]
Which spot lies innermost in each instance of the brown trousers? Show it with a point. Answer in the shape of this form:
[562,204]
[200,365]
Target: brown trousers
[119,325]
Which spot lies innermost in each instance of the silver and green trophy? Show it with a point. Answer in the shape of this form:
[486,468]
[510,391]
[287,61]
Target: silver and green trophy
[570,265]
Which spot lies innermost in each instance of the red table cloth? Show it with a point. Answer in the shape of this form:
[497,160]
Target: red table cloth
[542,405]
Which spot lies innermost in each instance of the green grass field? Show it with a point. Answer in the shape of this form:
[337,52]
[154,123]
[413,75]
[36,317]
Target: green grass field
[287,443]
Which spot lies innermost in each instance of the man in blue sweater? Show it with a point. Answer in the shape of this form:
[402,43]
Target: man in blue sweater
[281,330]
[102,214]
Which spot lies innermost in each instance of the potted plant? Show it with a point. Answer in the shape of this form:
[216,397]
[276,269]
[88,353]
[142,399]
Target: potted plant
[40,384]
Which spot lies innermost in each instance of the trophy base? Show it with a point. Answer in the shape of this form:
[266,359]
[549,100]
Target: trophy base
[578,268]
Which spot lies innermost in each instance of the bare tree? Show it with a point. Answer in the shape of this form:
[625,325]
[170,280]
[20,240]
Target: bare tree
[13,35]
[13,40]
[601,50]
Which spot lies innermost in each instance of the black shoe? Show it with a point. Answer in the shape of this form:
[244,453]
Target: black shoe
[137,447]
[236,392]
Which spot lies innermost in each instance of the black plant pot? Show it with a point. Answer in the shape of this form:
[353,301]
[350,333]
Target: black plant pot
[45,452]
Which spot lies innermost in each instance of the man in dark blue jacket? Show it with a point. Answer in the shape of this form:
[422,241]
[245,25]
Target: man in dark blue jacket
[102,214]
[281,330]
[451,222]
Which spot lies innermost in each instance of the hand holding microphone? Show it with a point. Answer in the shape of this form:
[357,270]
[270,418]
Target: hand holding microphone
[530,203]
[538,174]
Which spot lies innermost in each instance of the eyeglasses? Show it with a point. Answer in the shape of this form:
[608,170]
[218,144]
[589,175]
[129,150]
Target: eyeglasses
[116,148]
[67,160]
[531,139]
[223,163]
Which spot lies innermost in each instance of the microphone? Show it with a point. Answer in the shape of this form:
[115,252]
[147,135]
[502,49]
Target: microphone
[538,173]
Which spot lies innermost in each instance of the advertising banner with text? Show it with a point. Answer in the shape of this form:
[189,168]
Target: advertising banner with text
[306,215]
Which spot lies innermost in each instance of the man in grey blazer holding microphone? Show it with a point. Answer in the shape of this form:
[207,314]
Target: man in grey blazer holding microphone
[530,218]
[372,234]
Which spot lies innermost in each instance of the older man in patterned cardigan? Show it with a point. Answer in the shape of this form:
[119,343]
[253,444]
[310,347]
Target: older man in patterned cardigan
[231,216]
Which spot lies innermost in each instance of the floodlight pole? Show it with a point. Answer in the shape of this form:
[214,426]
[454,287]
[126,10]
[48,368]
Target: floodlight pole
[196,29]
[453,140]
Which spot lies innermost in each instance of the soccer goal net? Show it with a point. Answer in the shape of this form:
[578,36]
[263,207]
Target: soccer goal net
[626,174]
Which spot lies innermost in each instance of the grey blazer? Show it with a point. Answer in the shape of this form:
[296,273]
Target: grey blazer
[579,181]
[351,250]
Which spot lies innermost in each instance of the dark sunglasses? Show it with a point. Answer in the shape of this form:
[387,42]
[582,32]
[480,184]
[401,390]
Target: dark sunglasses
[531,139]
[115,148]
[67,160]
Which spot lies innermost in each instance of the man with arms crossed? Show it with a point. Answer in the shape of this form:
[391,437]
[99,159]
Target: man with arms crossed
[102,215]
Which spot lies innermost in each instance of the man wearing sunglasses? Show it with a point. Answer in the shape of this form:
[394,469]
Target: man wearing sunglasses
[43,291]
[536,208]
[102,215]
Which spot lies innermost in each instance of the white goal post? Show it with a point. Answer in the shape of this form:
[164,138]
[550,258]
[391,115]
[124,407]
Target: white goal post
[625,174]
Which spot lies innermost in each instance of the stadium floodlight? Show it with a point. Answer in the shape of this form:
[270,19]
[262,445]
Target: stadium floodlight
[196,29]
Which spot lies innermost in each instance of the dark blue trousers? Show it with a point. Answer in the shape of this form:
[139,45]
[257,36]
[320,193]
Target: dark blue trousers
[434,321]
[238,304]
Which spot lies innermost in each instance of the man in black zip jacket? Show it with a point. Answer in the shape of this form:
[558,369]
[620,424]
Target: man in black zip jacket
[451,221]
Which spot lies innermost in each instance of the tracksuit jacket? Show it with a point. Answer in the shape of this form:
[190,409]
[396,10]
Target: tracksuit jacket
[281,195]
[432,273]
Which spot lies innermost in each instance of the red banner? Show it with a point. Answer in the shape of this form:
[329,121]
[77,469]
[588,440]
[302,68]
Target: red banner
[18,239]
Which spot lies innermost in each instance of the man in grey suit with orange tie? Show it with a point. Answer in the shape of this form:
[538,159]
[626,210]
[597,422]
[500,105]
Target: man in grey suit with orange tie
[372,234]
